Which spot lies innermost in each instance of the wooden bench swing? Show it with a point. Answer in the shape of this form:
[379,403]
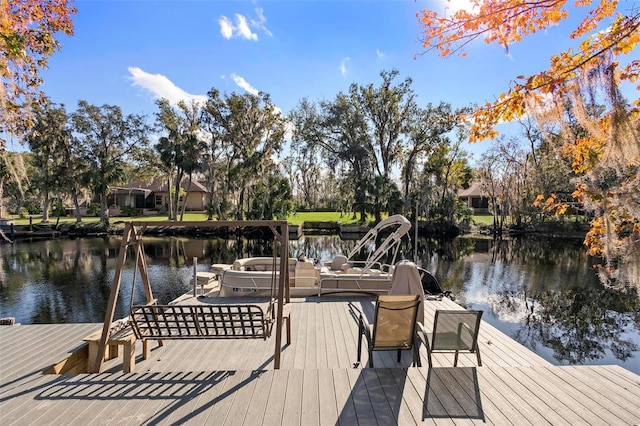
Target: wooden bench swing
[151,321]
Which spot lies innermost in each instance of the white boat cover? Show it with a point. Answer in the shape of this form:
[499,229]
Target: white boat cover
[406,280]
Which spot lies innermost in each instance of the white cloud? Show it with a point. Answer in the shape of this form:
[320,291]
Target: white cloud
[242,28]
[242,83]
[161,87]
[380,54]
[343,66]
[226,27]
[259,23]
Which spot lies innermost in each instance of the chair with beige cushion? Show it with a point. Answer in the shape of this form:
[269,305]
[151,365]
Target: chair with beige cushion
[393,328]
[337,263]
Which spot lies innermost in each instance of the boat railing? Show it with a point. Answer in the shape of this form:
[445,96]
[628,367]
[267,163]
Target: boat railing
[386,268]
[363,264]
[391,243]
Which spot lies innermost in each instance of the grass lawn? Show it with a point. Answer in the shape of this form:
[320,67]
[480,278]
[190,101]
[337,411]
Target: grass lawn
[36,219]
[337,217]
[485,219]
[294,219]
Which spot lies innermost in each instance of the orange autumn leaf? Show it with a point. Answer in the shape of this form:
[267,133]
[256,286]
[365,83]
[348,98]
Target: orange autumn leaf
[507,21]
[27,40]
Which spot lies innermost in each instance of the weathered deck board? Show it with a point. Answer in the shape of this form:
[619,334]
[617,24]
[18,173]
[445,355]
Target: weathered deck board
[363,396]
[448,403]
[412,397]
[413,382]
[361,401]
[547,394]
[379,401]
[310,398]
[574,397]
[232,382]
[489,399]
[595,387]
[394,394]
[275,403]
[344,334]
[258,406]
[239,407]
[300,339]
[344,398]
[41,342]
[184,403]
[292,410]
[212,393]
[633,379]
[311,330]
[326,398]
[325,339]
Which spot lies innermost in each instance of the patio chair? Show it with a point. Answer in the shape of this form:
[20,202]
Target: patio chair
[453,331]
[394,327]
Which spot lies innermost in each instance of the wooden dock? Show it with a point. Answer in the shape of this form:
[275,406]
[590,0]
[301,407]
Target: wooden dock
[232,382]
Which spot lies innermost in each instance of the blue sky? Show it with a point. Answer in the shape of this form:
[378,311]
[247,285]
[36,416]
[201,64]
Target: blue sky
[130,53]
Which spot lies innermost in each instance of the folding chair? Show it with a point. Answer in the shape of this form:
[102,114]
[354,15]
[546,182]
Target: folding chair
[453,331]
[394,327]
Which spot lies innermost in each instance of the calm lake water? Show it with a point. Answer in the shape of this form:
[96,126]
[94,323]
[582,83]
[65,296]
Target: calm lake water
[544,294]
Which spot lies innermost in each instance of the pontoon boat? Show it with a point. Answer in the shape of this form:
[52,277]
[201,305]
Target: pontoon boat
[256,275]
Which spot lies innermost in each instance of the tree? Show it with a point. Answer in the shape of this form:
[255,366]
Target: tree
[304,162]
[27,39]
[109,139]
[271,197]
[446,171]
[339,129]
[427,129]
[606,157]
[506,177]
[47,141]
[387,110]
[506,22]
[181,150]
[77,169]
[488,175]
[12,171]
[251,131]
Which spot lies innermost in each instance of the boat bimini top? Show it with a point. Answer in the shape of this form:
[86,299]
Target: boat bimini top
[392,242]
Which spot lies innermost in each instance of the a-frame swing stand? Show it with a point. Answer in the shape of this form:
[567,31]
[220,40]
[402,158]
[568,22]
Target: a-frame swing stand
[132,236]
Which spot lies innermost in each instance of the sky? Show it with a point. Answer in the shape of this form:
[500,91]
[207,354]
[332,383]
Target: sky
[131,53]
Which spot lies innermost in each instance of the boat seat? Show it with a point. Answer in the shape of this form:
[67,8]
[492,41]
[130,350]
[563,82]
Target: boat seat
[259,264]
[338,262]
[306,274]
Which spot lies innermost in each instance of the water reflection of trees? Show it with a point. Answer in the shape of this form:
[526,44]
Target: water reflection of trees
[580,325]
[69,281]
[552,290]
[51,277]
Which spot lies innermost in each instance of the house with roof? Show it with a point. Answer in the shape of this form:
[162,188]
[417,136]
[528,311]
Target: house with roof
[153,197]
[476,197]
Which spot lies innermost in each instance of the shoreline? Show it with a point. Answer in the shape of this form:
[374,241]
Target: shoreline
[50,231]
